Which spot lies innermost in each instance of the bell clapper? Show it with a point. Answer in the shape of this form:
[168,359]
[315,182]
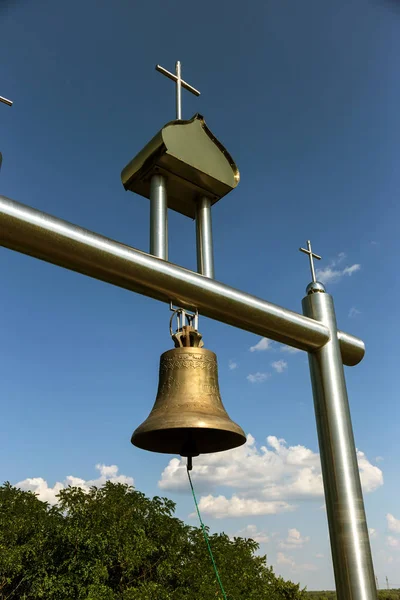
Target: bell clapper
[189,464]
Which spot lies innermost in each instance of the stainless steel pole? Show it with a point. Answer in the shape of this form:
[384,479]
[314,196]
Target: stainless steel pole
[48,238]
[158,217]
[351,552]
[204,239]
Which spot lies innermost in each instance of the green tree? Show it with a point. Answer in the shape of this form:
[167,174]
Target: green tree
[27,527]
[115,543]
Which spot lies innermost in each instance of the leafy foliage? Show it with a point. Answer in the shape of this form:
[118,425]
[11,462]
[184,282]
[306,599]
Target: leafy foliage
[115,543]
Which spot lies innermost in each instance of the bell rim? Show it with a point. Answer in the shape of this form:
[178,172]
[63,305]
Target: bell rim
[145,440]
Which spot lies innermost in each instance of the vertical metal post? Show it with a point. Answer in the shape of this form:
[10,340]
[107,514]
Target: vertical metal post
[158,217]
[351,552]
[178,90]
[204,240]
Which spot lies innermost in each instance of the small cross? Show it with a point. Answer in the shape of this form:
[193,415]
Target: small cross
[311,255]
[179,85]
[6,101]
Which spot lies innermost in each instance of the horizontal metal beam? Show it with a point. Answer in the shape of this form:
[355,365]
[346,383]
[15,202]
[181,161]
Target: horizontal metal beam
[48,238]
[6,101]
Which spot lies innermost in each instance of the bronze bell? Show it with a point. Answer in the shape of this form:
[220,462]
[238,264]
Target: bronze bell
[188,417]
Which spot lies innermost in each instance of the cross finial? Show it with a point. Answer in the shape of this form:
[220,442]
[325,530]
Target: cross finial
[6,101]
[179,85]
[311,255]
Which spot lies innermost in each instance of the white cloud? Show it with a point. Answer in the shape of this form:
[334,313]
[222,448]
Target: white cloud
[372,532]
[350,270]
[294,540]
[282,559]
[371,476]
[275,472]
[353,312]
[267,344]
[232,365]
[107,471]
[307,567]
[279,365]
[393,523]
[319,555]
[289,349]
[252,532]
[329,275]
[332,273]
[258,377]
[272,473]
[46,493]
[263,344]
[339,259]
[393,542]
[220,506]
[39,486]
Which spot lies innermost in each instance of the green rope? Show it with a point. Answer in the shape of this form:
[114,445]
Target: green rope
[207,540]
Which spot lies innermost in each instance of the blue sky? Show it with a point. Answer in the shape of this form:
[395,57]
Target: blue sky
[305,97]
